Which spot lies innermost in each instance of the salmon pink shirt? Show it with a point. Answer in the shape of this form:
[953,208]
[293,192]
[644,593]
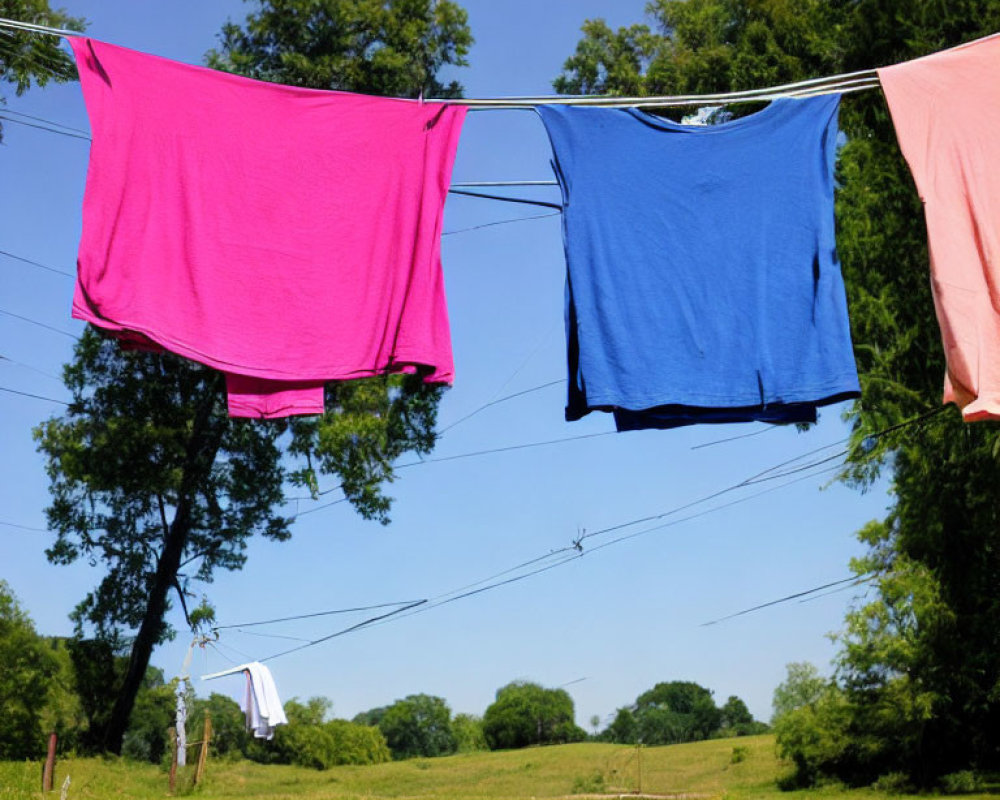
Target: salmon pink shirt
[946,111]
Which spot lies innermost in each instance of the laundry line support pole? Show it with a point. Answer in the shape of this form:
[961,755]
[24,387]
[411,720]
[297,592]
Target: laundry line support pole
[172,738]
[48,772]
[199,772]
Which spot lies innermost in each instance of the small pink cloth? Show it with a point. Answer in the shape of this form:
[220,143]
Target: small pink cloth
[946,111]
[285,236]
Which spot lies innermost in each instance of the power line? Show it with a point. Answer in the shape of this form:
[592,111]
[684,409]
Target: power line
[571,553]
[34,396]
[44,128]
[853,579]
[38,264]
[499,400]
[46,121]
[501,222]
[23,527]
[39,324]
[315,614]
[360,625]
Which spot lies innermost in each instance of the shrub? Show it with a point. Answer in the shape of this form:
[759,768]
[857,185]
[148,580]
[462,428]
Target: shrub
[964,782]
[591,784]
[893,783]
[739,754]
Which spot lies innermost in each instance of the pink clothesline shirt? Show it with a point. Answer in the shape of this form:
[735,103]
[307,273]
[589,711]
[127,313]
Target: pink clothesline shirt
[285,236]
[946,111]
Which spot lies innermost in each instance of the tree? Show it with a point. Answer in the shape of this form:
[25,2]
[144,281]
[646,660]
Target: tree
[678,711]
[468,731]
[737,719]
[27,57]
[148,474]
[803,686]
[27,669]
[918,663]
[418,725]
[524,713]
[311,740]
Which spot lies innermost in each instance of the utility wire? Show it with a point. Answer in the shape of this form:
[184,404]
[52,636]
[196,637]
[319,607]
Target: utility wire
[359,626]
[46,121]
[314,614]
[39,324]
[853,579]
[34,396]
[22,527]
[501,222]
[38,264]
[44,127]
[571,553]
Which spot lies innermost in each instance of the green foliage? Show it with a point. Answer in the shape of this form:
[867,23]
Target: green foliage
[152,715]
[148,474]
[964,782]
[469,734]
[27,669]
[230,738]
[815,736]
[310,740]
[623,729]
[802,687]
[589,784]
[27,57]
[679,711]
[418,725]
[390,47]
[524,714]
[739,755]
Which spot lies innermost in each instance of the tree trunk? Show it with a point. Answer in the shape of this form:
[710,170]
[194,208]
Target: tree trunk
[202,448]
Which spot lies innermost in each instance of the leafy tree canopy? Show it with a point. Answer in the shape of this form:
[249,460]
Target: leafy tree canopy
[525,713]
[418,725]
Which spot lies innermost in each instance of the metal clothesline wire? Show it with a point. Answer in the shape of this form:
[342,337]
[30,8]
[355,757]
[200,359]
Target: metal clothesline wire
[846,82]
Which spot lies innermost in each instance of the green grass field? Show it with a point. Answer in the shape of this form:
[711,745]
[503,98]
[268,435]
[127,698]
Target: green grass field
[699,770]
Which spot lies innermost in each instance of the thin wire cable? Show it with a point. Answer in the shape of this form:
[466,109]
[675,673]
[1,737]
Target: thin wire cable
[48,121]
[858,582]
[44,127]
[38,264]
[314,614]
[501,222]
[827,83]
[33,28]
[735,438]
[33,396]
[350,629]
[270,635]
[578,552]
[223,655]
[21,364]
[502,198]
[39,324]
[6,524]
[503,399]
[785,599]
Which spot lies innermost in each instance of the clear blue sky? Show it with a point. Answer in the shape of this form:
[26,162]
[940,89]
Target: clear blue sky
[623,618]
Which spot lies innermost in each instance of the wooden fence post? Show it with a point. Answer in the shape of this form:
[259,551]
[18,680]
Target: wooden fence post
[48,772]
[199,772]
[172,736]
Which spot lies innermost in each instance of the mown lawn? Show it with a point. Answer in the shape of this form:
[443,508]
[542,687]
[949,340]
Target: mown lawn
[703,769]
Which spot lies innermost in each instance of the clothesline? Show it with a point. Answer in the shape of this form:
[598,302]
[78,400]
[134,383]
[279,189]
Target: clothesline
[844,83]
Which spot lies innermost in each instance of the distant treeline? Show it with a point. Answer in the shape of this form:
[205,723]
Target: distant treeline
[68,686]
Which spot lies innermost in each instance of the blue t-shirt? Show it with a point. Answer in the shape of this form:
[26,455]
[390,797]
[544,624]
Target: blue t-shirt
[702,276]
